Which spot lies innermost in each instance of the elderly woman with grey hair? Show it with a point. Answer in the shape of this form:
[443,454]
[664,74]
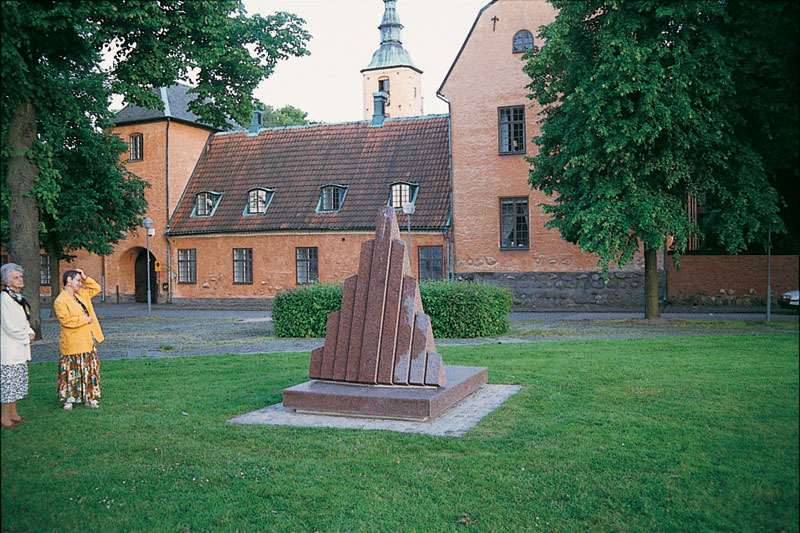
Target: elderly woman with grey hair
[15,344]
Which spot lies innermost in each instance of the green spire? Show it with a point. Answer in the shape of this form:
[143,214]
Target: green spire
[391,52]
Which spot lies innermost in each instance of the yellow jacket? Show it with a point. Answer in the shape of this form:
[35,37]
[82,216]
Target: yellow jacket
[76,332]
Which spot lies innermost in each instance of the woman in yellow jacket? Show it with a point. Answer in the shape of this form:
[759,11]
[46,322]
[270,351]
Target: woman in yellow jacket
[78,365]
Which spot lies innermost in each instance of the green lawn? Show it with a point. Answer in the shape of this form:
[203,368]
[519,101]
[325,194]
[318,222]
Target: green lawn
[680,434]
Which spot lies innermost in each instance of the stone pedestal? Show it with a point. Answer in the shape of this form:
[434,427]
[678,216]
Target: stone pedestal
[378,401]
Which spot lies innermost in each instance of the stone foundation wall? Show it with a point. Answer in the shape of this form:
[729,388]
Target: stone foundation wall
[533,291]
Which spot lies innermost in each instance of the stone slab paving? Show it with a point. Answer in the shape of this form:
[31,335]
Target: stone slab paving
[452,423]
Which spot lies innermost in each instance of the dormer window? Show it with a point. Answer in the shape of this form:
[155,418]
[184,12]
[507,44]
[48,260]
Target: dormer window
[258,200]
[332,198]
[402,192]
[206,203]
[523,41]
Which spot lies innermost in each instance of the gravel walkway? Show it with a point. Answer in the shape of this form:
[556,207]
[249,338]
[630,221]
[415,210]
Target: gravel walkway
[178,332]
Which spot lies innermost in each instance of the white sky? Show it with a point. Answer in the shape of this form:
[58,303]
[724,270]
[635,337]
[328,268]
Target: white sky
[328,83]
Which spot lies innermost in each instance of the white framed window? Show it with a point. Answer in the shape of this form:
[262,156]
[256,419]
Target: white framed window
[511,129]
[514,232]
[258,201]
[206,203]
[402,192]
[331,198]
[307,265]
[44,270]
[242,266]
[187,265]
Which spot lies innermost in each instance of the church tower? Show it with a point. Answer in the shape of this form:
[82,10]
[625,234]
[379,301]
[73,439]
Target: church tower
[391,71]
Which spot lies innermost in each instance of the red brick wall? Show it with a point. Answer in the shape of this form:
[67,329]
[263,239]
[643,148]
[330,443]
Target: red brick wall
[485,76]
[730,278]
[274,268]
[186,143]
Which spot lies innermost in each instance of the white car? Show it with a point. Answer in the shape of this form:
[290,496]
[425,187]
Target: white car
[790,300]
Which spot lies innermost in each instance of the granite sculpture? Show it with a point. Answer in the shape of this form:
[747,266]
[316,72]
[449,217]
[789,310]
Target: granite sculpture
[379,356]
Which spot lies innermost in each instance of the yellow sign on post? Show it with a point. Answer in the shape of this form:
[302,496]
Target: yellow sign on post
[157,266]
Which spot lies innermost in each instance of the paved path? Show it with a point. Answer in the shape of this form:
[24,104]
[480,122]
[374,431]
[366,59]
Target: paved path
[173,331]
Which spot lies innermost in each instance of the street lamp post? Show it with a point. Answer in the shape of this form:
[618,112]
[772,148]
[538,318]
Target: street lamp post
[147,223]
[408,209]
[769,273]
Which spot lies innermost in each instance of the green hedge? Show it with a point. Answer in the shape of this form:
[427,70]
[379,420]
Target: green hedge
[457,309]
[303,312]
[460,309]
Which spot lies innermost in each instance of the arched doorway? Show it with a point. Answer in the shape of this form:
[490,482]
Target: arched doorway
[140,273]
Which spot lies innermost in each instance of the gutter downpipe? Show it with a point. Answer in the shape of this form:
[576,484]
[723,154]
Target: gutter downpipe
[450,241]
[169,254]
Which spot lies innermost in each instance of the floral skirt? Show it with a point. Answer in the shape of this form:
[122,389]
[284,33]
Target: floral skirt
[13,382]
[79,377]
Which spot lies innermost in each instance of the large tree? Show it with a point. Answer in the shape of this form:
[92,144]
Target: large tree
[639,114]
[52,63]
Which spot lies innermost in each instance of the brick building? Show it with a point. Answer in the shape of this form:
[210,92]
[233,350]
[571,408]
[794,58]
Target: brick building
[246,214]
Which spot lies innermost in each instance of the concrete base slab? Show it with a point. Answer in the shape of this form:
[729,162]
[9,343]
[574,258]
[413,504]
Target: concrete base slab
[452,423]
[385,401]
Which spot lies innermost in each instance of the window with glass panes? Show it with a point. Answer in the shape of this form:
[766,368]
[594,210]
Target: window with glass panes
[306,265]
[431,264]
[511,129]
[242,265]
[401,193]
[331,198]
[187,265]
[44,269]
[257,201]
[523,41]
[205,204]
[136,150]
[514,223]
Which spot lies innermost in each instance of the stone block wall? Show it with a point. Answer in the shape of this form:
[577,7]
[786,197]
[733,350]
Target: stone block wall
[535,291]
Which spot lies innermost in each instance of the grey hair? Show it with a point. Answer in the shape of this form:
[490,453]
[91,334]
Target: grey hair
[7,269]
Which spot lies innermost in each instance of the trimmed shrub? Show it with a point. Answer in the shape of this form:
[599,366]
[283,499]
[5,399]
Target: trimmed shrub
[303,312]
[457,309]
[460,309]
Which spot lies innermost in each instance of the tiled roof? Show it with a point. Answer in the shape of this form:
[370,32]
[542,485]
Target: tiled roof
[176,100]
[296,161]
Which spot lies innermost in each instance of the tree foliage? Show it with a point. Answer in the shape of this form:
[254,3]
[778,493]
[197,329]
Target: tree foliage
[286,116]
[62,61]
[641,112]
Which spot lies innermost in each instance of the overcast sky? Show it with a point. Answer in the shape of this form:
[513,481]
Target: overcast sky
[328,83]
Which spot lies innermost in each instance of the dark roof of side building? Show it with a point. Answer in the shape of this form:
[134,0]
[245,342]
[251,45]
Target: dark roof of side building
[296,161]
[176,100]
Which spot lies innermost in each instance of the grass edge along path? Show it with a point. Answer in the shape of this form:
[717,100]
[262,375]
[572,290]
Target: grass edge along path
[689,433]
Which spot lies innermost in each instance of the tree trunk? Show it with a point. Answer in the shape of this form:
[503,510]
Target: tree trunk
[23,213]
[651,283]
[55,278]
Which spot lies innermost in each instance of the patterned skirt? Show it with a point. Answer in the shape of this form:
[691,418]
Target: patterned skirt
[79,377]
[13,382]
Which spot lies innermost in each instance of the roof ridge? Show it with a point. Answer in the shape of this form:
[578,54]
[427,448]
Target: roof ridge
[328,124]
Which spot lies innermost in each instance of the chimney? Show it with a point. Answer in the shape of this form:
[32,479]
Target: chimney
[380,109]
[258,121]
